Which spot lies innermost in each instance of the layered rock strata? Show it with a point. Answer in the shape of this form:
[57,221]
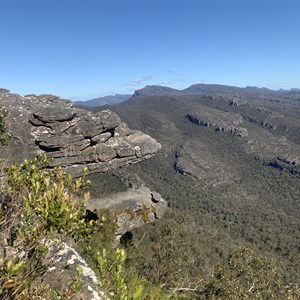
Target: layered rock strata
[224,122]
[74,138]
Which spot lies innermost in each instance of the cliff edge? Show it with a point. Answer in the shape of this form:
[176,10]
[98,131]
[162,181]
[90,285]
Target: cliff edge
[74,138]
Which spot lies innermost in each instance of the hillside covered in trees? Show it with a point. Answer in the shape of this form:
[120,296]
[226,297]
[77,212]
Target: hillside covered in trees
[229,169]
[232,184]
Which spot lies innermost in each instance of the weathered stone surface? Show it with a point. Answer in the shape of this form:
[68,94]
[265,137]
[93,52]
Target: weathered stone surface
[105,152]
[123,129]
[74,138]
[220,121]
[133,208]
[102,137]
[64,261]
[56,114]
[284,163]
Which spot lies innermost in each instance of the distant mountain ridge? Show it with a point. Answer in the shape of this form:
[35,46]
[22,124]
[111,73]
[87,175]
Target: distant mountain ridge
[153,90]
[196,89]
[229,154]
[105,100]
[202,88]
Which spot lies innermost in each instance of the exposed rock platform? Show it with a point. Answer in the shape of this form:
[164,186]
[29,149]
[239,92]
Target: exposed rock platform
[73,137]
[133,208]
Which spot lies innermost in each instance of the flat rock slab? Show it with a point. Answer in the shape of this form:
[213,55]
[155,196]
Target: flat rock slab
[133,208]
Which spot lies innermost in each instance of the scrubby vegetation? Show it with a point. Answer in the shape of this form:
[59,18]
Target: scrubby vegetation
[40,208]
[213,243]
[255,207]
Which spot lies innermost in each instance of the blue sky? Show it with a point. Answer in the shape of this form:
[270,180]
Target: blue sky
[84,49]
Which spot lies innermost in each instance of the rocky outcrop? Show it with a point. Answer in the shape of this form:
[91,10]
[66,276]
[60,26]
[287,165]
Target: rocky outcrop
[264,123]
[224,123]
[203,166]
[64,266]
[74,138]
[133,208]
[287,164]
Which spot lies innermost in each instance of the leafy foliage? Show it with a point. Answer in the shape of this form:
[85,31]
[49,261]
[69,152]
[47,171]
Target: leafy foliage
[41,205]
[47,197]
[38,205]
[112,275]
[119,284]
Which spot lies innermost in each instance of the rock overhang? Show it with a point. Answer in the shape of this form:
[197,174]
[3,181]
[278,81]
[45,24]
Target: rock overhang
[73,138]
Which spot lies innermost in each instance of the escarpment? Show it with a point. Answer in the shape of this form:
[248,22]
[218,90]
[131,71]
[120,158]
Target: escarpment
[74,138]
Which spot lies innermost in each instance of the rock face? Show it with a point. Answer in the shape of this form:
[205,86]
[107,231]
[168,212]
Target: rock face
[64,263]
[74,138]
[224,122]
[133,208]
[202,166]
[286,164]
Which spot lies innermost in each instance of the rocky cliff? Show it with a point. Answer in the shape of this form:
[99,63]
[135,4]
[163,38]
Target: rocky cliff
[74,138]
[77,139]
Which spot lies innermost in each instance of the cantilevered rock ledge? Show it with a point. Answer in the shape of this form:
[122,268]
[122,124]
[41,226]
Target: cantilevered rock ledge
[74,138]
[133,208]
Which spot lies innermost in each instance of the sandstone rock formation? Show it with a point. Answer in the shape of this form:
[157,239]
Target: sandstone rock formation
[74,138]
[133,208]
[77,139]
[204,166]
[220,121]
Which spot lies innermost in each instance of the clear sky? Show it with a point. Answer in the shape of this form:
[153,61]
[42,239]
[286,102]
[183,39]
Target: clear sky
[84,49]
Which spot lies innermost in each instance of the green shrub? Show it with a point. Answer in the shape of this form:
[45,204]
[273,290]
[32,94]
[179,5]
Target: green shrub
[41,205]
[119,284]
